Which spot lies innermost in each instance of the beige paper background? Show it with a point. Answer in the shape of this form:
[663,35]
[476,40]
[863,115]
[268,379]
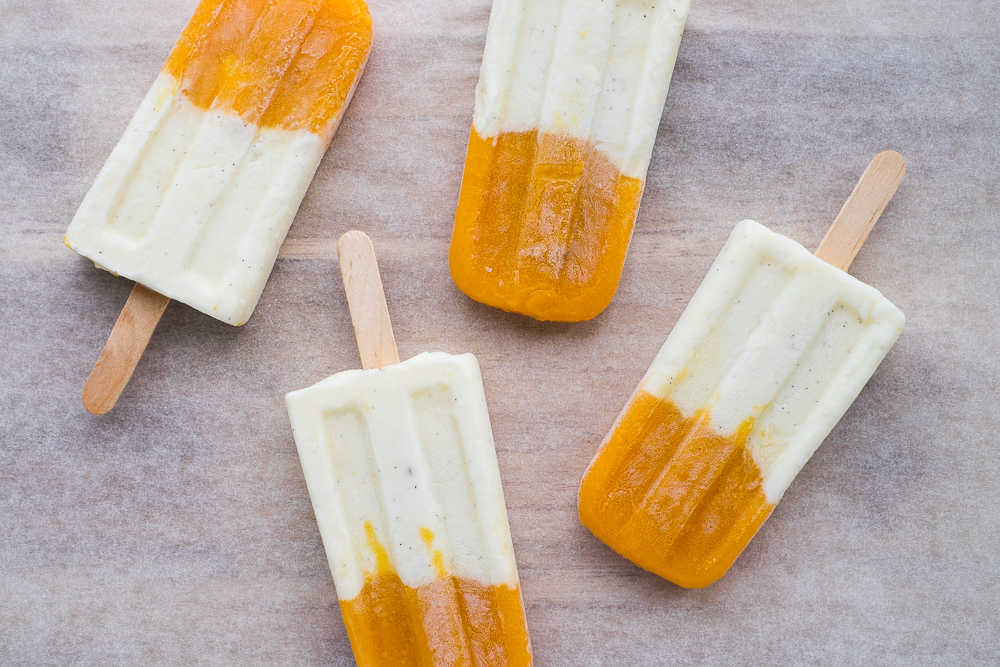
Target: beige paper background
[177,529]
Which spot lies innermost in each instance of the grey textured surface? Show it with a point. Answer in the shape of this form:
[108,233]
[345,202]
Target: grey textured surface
[177,529]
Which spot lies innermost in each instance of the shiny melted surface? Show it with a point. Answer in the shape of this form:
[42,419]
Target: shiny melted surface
[672,495]
[289,64]
[450,621]
[542,226]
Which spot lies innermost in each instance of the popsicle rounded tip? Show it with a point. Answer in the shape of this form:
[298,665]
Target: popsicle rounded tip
[891,155]
[97,402]
[890,161]
[353,240]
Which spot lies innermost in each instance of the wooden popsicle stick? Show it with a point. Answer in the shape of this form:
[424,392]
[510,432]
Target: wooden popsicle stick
[124,348]
[366,300]
[862,210]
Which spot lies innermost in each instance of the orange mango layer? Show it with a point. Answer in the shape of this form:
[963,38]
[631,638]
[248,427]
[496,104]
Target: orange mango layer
[542,226]
[288,64]
[450,621]
[672,495]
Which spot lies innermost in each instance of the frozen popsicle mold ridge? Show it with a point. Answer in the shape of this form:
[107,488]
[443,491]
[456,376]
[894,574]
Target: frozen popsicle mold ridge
[567,107]
[769,354]
[767,357]
[406,490]
[196,199]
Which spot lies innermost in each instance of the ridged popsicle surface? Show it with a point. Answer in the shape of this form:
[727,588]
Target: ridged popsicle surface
[403,477]
[195,200]
[768,356]
[567,107]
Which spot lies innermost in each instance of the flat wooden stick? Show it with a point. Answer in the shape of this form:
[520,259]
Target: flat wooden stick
[366,299]
[124,348]
[862,210]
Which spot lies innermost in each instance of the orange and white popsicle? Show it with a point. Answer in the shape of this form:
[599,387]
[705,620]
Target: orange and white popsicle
[767,357]
[401,469]
[195,200]
[569,99]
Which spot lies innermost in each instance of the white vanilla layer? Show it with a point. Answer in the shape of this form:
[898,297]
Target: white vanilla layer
[408,449]
[596,70]
[195,204]
[775,334]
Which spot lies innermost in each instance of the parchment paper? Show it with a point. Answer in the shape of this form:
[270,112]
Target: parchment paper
[177,529]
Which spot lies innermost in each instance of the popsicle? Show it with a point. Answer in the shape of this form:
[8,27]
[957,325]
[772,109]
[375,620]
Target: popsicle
[195,200]
[401,469]
[767,357]
[569,99]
